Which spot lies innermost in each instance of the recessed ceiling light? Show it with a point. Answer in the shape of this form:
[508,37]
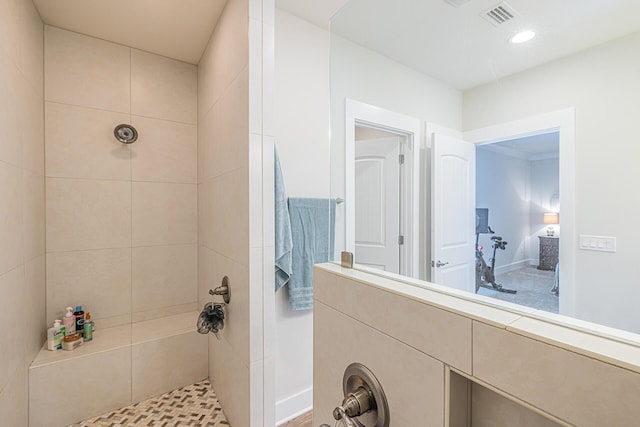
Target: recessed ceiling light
[523,36]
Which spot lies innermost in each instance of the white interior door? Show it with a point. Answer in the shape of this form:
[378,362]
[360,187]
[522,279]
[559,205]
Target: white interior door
[377,203]
[453,212]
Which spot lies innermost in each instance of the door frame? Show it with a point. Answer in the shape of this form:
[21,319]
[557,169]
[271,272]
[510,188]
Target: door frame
[562,121]
[359,113]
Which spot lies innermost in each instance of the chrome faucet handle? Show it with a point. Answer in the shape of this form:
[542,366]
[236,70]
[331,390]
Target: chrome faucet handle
[223,290]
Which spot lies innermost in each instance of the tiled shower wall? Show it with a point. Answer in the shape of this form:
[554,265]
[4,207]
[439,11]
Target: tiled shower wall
[223,190]
[121,220]
[22,262]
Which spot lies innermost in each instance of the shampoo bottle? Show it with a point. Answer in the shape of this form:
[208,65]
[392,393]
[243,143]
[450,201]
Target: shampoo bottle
[55,334]
[79,314]
[88,328]
[69,322]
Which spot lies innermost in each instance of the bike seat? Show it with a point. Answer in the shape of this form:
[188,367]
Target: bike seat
[496,238]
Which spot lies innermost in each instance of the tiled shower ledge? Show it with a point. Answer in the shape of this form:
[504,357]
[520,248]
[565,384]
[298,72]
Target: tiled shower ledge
[122,336]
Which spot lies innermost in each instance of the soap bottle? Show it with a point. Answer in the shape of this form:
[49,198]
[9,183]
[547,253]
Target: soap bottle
[79,315]
[88,328]
[55,334]
[69,322]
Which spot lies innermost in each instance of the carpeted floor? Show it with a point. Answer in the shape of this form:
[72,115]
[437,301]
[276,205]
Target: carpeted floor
[193,405]
[533,286]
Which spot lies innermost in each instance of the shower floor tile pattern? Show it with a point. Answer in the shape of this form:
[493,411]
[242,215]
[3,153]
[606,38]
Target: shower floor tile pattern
[193,405]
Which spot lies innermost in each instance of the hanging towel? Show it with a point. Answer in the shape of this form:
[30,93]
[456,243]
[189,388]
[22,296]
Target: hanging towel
[313,229]
[283,227]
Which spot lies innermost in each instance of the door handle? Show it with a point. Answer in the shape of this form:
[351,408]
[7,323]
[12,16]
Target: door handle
[439,264]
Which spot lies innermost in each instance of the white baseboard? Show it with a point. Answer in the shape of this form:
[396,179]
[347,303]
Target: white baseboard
[294,406]
[513,266]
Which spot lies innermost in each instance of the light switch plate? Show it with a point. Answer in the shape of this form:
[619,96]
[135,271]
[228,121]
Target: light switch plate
[597,243]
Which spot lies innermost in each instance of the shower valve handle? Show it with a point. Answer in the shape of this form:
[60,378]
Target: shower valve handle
[223,290]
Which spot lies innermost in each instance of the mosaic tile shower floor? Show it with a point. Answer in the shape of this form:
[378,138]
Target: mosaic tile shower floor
[193,405]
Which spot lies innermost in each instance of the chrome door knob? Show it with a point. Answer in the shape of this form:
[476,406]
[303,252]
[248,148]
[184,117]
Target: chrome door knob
[440,264]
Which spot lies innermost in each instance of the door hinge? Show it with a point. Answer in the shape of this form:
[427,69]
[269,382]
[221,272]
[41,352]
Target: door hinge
[401,159]
[401,240]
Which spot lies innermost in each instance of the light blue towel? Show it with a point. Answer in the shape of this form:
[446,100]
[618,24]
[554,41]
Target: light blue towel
[283,227]
[312,229]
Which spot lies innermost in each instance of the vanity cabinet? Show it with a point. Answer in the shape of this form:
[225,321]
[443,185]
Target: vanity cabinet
[549,252]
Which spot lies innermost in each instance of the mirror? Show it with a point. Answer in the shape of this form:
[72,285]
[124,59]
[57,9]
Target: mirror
[549,127]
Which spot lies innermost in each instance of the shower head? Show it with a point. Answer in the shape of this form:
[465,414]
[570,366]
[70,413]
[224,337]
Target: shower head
[126,134]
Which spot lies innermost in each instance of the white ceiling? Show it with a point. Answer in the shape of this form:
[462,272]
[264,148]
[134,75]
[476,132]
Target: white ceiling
[318,12]
[178,29]
[455,45]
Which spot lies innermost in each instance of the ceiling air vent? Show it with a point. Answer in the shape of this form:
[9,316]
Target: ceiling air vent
[500,14]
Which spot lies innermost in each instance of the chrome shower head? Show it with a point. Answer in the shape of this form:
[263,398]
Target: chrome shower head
[126,134]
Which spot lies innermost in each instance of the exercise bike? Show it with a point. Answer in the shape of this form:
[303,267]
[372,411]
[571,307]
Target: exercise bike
[485,276]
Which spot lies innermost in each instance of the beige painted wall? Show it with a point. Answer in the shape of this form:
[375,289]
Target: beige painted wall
[602,84]
[121,219]
[22,261]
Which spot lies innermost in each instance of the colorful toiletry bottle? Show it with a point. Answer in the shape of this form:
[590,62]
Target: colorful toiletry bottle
[55,335]
[69,322]
[79,314]
[88,328]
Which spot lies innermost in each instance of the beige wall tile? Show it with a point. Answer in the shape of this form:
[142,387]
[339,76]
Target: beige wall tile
[412,381]
[84,214]
[205,147]
[12,346]
[163,88]
[14,400]
[489,409]
[420,325]
[229,121]
[31,126]
[80,388]
[163,365]
[224,214]
[207,274]
[99,280]
[35,325]
[236,326]
[80,143]
[164,327]
[226,55]
[32,47]
[574,388]
[164,276]
[33,219]
[11,195]
[230,379]
[163,312]
[164,214]
[10,143]
[86,71]
[165,151]
[10,20]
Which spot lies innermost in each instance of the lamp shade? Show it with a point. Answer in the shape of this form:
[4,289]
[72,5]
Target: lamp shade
[551,218]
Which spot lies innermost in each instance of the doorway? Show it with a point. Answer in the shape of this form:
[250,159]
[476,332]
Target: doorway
[518,198]
[379,183]
[562,121]
[382,188]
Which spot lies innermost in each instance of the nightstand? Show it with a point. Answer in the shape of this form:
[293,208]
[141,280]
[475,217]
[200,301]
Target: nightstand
[549,252]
